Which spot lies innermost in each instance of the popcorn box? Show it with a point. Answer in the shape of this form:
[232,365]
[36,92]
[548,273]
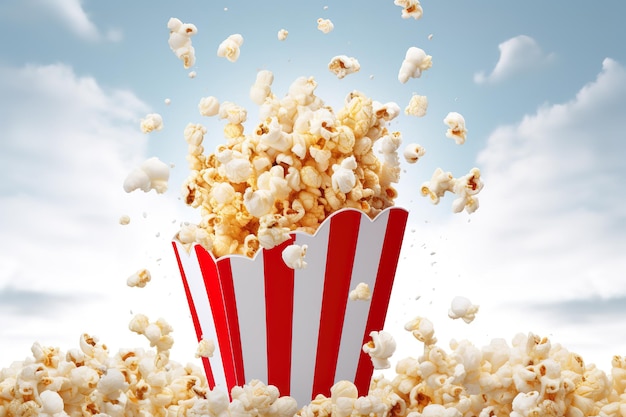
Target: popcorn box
[296,329]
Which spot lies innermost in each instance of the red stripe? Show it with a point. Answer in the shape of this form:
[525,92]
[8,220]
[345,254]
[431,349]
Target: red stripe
[279,316]
[194,317]
[382,292]
[344,231]
[230,305]
[218,309]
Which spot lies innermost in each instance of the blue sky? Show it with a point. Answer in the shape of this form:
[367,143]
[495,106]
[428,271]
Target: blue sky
[542,86]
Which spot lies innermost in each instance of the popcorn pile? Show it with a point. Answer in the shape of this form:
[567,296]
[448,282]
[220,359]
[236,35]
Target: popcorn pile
[530,377]
[303,162]
[90,381]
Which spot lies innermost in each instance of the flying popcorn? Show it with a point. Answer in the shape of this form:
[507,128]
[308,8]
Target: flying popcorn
[282,34]
[152,121]
[430,37]
[167,101]
[410,8]
[462,308]
[413,152]
[342,65]
[139,278]
[124,220]
[152,174]
[192,74]
[456,127]
[415,61]
[229,48]
[209,106]
[262,87]
[380,349]
[157,333]
[293,256]
[180,41]
[422,329]
[417,106]
[465,188]
[206,348]
[361,292]
[325,25]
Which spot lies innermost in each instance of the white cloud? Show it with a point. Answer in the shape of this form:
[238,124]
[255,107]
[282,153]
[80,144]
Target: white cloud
[518,55]
[551,230]
[66,145]
[71,12]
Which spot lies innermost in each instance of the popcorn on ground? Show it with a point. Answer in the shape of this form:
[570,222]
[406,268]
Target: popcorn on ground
[530,377]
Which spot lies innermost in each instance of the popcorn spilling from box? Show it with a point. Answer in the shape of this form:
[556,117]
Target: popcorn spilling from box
[302,162]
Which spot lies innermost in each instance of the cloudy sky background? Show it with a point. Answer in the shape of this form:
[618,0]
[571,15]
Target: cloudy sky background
[542,86]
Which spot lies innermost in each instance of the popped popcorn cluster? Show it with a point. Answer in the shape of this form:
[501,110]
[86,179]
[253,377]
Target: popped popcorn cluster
[529,377]
[532,377]
[91,381]
[303,162]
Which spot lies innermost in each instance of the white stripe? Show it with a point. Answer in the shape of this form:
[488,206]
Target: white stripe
[307,307]
[191,269]
[367,258]
[249,285]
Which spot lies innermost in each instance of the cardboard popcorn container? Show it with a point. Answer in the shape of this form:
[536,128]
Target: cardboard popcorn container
[296,329]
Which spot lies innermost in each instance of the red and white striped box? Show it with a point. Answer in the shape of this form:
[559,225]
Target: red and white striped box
[296,329]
